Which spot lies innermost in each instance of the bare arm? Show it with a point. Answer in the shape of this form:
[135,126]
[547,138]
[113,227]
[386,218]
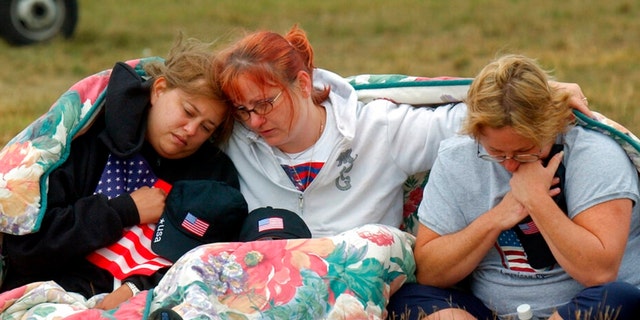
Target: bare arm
[443,261]
[115,298]
[590,247]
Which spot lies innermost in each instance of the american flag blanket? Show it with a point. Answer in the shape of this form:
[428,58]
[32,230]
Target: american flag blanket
[132,254]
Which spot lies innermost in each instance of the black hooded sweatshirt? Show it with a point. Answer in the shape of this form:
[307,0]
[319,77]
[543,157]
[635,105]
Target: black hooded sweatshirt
[77,221]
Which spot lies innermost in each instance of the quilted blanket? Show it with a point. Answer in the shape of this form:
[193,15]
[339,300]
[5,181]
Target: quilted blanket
[27,160]
[348,276]
[47,300]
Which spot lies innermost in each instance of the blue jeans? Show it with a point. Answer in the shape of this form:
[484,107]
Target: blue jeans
[413,301]
[615,300]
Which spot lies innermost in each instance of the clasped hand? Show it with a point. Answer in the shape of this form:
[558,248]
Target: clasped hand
[150,203]
[529,184]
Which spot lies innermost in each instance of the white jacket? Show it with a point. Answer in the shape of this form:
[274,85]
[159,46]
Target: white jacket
[381,143]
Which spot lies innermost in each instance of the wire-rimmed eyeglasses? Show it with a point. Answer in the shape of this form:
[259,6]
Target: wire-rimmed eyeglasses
[523,157]
[261,108]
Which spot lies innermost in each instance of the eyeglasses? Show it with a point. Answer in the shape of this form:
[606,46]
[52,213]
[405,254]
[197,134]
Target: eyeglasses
[524,157]
[260,108]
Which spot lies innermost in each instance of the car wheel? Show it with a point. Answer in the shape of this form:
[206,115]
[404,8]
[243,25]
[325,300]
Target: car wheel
[25,22]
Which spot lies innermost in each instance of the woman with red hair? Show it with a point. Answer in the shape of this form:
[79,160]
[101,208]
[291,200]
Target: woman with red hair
[303,142]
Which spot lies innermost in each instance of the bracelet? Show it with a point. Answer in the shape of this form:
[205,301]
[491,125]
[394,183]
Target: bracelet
[133,288]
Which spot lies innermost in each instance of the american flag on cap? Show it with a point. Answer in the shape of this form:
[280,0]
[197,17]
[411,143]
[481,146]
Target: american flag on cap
[271,223]
[195,225]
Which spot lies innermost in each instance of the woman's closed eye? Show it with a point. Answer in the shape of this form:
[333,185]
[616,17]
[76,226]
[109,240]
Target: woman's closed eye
[207,126]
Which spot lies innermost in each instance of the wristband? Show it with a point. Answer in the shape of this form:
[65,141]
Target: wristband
[133,288]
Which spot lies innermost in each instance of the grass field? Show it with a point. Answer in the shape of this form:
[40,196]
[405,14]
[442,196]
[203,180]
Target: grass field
[591,42]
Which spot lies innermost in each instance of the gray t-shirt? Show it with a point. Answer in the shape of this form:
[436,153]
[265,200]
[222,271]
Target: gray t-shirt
[462,187]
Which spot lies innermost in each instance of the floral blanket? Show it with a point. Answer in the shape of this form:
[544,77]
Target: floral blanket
[348,276]
[47,300]
[351,275]
[27,160]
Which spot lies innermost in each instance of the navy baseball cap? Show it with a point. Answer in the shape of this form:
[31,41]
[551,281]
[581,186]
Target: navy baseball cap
[198,212]
[273,223]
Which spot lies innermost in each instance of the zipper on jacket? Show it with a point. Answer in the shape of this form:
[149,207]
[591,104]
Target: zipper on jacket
[301,202]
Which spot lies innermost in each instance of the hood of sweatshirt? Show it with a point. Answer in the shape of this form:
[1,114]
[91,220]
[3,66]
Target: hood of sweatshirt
[127,101]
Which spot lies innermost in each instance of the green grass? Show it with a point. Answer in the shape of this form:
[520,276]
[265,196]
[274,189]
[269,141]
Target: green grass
[591,42]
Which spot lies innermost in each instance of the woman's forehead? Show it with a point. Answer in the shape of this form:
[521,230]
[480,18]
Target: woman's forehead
[248,88]
[505,138]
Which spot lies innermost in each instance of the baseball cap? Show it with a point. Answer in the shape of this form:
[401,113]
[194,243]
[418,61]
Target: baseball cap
[273,223]
[197,212]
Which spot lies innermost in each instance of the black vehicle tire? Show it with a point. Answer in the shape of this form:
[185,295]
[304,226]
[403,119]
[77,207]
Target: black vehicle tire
[25,22]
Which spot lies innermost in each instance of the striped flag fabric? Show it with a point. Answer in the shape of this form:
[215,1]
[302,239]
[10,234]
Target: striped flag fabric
[132,254]
[512,253]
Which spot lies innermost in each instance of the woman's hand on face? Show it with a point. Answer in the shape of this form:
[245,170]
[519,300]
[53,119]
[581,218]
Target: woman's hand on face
[150,203]
[532,180]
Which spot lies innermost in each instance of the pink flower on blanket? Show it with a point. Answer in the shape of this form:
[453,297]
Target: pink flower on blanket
[14,156]
[273,271]
[21,176]
[380,236]
[411,203]
[8,298]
